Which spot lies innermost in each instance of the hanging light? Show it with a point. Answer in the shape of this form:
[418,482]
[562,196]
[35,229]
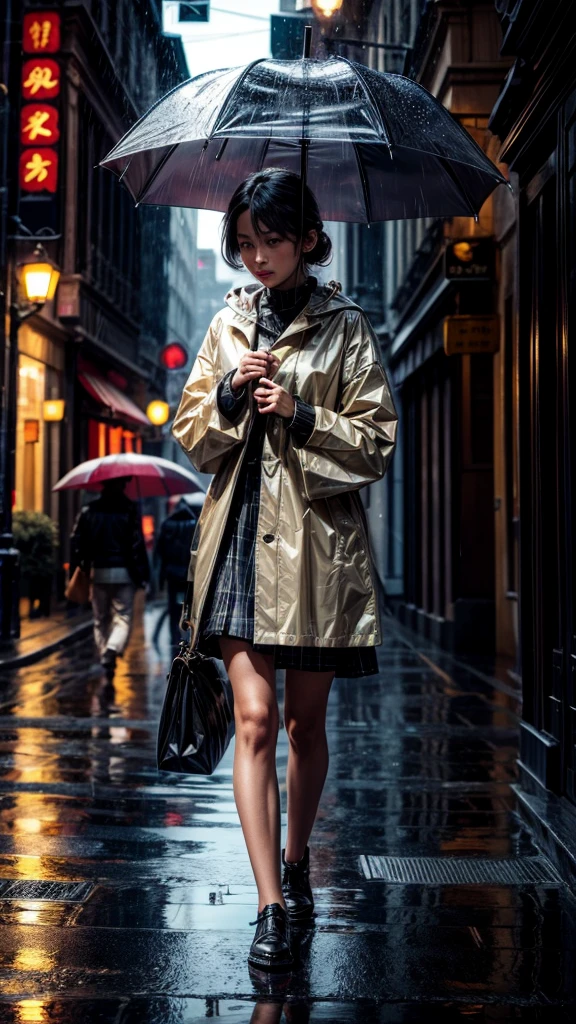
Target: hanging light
[53,410]
[158,412]
[39,277]
[326,8]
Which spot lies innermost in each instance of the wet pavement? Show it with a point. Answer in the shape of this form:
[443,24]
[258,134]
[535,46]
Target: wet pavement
[154,927]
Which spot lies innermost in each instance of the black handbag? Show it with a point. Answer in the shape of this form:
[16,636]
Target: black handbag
[197,720]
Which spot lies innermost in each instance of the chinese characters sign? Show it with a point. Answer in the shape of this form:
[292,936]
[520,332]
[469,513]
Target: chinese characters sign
[40,79]
[41,33]
[39,120]
[39,124]
[39,170]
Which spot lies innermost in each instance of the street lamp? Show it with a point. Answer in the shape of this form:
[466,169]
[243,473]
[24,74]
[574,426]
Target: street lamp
[39,280]
[326,8]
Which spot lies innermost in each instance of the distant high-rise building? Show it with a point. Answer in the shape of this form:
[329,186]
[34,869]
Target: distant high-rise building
[210,293]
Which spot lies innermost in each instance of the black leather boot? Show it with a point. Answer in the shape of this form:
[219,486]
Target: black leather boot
[296,888]
[109,663]
[270,949]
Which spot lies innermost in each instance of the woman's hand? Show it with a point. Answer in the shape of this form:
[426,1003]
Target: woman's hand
[270,397]
[253,365]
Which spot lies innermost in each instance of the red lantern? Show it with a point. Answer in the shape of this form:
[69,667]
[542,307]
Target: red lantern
[173,356]
[39,124]
[40,79]
[39,170]
[41,32]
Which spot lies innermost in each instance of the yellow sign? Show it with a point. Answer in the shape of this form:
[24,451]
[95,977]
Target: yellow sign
[467,335]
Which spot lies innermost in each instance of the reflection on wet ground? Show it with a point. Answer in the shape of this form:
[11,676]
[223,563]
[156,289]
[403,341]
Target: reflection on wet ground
[422,765]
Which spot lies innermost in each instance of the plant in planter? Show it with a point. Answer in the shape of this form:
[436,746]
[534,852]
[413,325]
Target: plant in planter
[36,537]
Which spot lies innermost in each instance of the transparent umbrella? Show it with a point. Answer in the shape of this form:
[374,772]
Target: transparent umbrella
[373,146]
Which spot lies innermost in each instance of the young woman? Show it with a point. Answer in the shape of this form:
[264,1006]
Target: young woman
[289,406]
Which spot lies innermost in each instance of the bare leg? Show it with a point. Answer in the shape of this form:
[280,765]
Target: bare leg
[305,704]
[255,781]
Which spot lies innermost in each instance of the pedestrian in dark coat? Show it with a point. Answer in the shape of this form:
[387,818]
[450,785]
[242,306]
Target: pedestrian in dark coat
[107,542]
[173,554]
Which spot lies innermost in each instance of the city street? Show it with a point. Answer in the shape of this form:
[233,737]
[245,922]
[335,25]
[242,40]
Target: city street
[133,891]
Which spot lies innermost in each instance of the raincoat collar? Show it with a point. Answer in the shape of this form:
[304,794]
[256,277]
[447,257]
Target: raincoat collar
[324,301]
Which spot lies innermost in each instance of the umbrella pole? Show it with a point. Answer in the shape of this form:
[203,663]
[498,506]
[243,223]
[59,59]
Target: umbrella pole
[304,143]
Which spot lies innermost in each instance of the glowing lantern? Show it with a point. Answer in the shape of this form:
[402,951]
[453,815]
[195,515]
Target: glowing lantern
[326,8]
[158,412]
[53,410]
[39,281]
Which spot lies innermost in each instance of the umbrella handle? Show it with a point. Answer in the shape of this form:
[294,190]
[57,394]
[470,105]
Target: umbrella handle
[307,41]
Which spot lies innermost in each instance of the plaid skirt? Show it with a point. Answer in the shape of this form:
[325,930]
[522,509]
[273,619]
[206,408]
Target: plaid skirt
[229,607]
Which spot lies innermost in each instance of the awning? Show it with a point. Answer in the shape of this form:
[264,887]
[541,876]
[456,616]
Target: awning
[118,403]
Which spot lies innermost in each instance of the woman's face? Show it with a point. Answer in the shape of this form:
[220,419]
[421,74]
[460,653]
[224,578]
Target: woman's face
[270,258]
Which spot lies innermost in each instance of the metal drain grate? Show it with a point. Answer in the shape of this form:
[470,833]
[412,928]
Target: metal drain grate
[50,892]
[457,870]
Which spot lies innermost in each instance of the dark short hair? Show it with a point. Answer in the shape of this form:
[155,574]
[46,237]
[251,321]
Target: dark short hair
[274,198]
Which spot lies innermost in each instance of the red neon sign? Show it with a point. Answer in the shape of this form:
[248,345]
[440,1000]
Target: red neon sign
[39,124]
[41,32]
[39,170]
[40,79]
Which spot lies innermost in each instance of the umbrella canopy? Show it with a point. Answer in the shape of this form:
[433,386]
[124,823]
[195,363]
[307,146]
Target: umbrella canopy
[151,476]
[379,146]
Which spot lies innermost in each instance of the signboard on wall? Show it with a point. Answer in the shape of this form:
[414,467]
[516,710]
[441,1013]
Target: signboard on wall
[468,335]
[39,119]
[469,259]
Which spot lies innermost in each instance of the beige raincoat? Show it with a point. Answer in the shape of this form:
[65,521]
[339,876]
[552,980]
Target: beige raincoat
[314,576]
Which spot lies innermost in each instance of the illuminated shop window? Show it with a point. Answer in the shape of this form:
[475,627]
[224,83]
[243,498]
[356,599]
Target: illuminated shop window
[30,435]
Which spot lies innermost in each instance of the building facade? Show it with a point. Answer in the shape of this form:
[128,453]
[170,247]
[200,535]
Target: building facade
[123,288]
[535,120]
[473,526]
[433,517]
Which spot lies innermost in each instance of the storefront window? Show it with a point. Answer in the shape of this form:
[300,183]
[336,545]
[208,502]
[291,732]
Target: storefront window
[106,440]
[30,435]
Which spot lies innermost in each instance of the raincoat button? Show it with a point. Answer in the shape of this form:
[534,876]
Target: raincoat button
[268,538]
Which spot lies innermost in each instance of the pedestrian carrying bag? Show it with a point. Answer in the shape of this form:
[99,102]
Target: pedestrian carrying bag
[78,589]
[197,719]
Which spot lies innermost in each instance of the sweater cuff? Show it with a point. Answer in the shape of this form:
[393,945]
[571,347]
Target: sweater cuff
[230,402]
[302,424]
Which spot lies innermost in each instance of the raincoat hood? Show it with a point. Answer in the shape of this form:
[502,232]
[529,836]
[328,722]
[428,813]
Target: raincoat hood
[325,299]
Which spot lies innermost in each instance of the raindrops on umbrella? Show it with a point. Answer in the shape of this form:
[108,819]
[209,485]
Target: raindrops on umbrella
[378,146]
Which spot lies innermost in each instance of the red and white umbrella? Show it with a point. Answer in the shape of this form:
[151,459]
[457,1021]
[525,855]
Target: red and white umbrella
[151,476]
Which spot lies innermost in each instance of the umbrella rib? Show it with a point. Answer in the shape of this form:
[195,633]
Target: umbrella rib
[462,188]
[364,183]
[384,129]
[232,93]
[126,169]
[152,177]
[265,149]
[143,118]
